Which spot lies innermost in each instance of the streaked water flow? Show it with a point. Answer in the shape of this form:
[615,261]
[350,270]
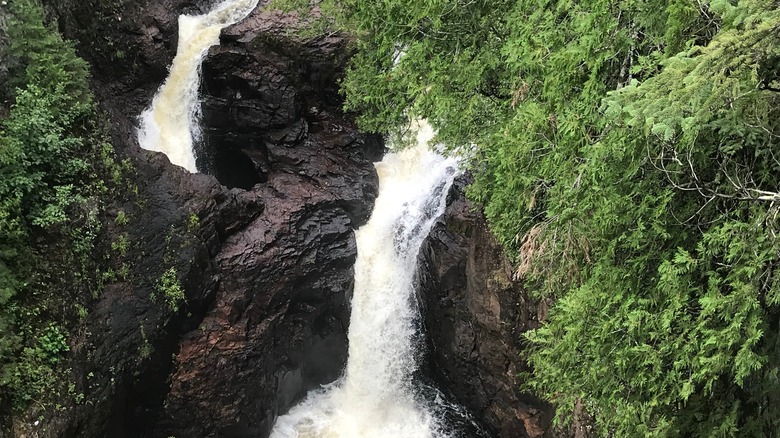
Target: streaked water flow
[376,397]
[171,124]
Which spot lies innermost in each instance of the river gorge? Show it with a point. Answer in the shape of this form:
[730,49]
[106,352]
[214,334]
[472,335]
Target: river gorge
[280,227]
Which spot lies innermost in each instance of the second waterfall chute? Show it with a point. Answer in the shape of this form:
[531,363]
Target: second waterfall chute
[376,397]
[170,124]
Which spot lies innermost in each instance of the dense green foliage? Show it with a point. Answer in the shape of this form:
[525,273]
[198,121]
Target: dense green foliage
[628,155]
[53,161]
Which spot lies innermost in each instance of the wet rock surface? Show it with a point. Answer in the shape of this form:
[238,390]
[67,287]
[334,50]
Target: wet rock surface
[262,242]
[474,316]
[278,325]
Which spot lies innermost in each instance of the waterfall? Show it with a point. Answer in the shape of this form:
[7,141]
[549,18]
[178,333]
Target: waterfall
[375,398]
[170,124]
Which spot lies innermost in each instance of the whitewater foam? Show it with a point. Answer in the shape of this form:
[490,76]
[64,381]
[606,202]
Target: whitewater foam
[376,397]
[171,124]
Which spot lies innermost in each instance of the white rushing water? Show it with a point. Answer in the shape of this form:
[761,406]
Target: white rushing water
[375,397]
[170,124]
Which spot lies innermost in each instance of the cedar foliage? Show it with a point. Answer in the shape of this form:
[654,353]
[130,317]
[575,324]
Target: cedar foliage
[628,155]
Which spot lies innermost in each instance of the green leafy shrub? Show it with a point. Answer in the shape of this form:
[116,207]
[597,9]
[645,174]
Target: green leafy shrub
[121,218]
[51,189]
[121,245]
[170,291]
[193,222]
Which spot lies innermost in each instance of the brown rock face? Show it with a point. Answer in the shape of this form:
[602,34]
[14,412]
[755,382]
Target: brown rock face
[262,241]
[278,325]
[474,316]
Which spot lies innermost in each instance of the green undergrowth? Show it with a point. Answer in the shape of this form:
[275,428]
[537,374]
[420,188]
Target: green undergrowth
[58,174]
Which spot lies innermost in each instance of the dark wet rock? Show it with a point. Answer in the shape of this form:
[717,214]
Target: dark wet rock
[474,315]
